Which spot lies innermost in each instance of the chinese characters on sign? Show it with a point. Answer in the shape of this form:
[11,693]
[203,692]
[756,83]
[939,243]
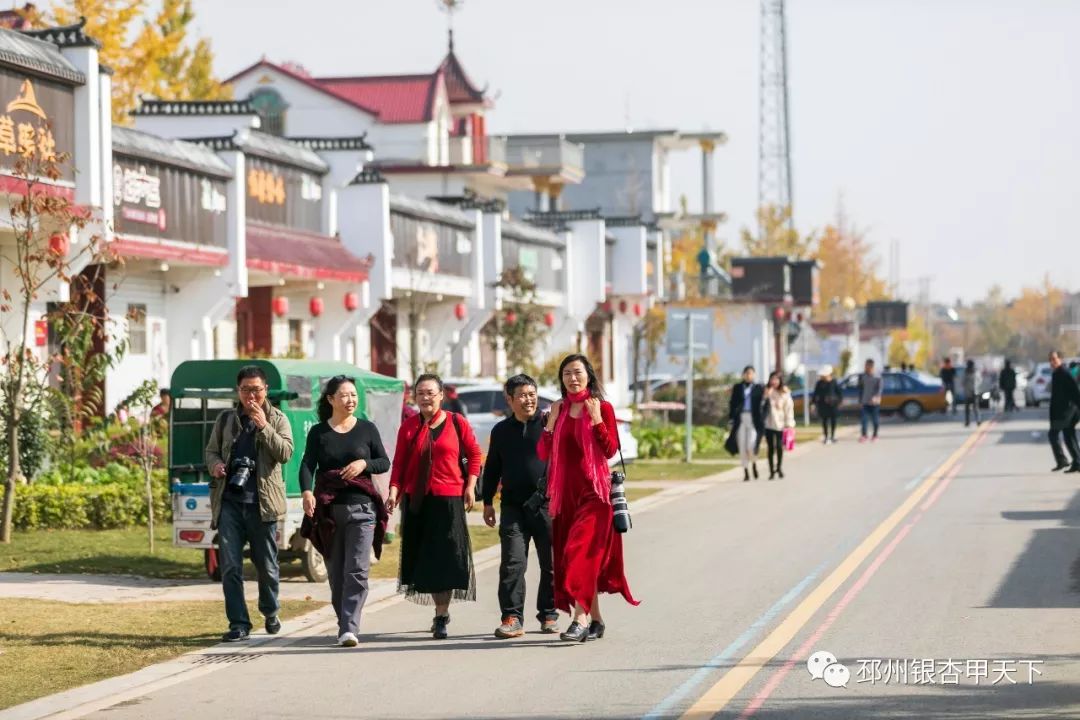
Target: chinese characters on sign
[283,195]
[266,187]
[138,194]
[36,122]
[951,671]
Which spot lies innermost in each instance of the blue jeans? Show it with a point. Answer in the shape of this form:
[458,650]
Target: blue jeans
[868,414]
[240,524]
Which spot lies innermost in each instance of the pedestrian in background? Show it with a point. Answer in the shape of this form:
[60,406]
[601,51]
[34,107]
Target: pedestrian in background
[870,388]
[347,514]
[435,482]
[513,465]
[1007,385]
[971,394]
[747,424]
[1064,415]
[579,438]
[453,403]
[247,447]
[779,414]
[827,398]
[948,382]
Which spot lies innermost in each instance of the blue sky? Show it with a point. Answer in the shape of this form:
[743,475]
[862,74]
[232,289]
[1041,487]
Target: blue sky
[947,125]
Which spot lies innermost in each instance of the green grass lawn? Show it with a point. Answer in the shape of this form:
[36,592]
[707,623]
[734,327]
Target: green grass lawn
[48,647]
[633,493]
[665,470]
[124,552]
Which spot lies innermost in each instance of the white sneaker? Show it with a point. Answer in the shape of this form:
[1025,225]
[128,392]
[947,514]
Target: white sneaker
[348,640]
[825,441]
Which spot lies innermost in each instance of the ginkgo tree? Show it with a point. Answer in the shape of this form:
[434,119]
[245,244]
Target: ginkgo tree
[147,45]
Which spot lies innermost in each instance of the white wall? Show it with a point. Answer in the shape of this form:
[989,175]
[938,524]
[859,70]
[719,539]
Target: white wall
[194,126]
[311,112]
[585,267]
[629,262]
[143,288]
[415,142]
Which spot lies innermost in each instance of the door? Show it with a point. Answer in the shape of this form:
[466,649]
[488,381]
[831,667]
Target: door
[384,341]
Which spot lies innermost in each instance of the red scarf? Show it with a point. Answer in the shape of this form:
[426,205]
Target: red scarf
[594,466]
[422,451]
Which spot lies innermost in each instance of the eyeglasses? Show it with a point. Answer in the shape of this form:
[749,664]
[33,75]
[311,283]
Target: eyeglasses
[428,393]
[252,390]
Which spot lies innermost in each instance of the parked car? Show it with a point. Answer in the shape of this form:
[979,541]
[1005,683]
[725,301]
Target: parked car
[486,405]
[1037,391]
[907,394]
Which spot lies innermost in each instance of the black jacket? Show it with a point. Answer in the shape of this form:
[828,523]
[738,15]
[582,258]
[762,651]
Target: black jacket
[827,396]
[1007,379]
[1064,397]
[738,394]
[512,460]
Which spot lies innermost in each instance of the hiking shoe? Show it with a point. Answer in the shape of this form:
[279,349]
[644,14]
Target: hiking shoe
[550,626]
[511,628]
[273,625]
[236,634]
[348,640]
[438,628]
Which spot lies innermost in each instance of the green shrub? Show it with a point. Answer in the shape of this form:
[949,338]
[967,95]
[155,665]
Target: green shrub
[95,504]
[667,442]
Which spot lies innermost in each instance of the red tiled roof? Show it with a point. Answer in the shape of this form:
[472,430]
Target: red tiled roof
[458,86]
[394,98]
[305,79]
[297,253]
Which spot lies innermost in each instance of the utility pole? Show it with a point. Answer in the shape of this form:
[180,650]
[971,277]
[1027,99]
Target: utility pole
[774,136]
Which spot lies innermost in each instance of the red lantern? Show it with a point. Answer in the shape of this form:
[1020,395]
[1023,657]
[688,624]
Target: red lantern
[59,244]
[606,306]
[623,306]
[315,305]
[280,306]
[778,313]
[638,311]
[511,317]
[549,319]
[352,301]
[460,311]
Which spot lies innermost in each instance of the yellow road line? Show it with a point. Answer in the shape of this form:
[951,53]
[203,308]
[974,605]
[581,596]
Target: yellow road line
[719,695]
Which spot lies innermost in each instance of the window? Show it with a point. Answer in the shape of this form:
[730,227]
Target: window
[476,402]
[892,384]
[136,317]
[498,403]
[296,337]
[271,108]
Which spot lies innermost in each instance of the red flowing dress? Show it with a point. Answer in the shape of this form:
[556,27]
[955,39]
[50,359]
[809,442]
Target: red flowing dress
[588,552]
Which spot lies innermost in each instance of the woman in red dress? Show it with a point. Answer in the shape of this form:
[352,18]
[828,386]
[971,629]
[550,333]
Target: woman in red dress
[580,437]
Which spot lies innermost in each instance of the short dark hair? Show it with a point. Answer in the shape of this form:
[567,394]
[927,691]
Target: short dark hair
[517,381]
[970,365]
[166,392]
[325,410]
[594,387]
[429,377]
[869,361]
[750,368]
[251,371]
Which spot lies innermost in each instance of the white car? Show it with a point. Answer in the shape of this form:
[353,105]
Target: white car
[486,405]
[1038,385]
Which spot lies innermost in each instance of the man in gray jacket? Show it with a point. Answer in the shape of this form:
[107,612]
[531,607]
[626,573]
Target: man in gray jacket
[870,388]
[246,450]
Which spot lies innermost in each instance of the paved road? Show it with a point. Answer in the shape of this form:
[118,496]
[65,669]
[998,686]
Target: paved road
[934,543]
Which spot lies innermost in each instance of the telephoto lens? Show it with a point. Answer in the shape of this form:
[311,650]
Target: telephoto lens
[619,504]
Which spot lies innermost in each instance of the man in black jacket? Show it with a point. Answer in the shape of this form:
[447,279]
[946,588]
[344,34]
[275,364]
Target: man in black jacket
[1007,385]
[512,463]
[1064,414]
[747,422]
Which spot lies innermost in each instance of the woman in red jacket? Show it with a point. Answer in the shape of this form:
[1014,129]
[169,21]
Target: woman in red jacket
[580,437]
[434,478]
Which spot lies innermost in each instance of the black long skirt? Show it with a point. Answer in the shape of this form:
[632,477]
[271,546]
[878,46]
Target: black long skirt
[436,554]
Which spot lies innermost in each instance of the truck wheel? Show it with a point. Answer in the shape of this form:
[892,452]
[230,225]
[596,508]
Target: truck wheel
[313,564]
[911,410]
[210,562]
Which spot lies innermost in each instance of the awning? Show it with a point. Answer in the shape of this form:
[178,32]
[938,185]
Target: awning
[302,254]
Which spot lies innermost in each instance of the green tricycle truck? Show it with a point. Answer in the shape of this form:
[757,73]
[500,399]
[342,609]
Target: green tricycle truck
[202,389]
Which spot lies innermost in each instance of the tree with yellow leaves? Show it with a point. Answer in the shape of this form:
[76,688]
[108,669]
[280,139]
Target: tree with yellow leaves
[777,237]
[161,60]
[849,268]
[911,345]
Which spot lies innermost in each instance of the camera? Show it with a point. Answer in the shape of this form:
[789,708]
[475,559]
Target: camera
[618,502]
[239,472]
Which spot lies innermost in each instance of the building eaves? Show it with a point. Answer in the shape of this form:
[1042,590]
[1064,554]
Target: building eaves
[529,233]
[39,57]
[559,218]
[305,79]
[432,211]
[333,143]
[623,221]
[269,147]
[191,156]
[194,107]
[65,35]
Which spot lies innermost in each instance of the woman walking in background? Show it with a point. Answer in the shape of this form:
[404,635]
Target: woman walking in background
[826,400]
[744,413]
[435,491]
[578,440]
[348,516]
[779,415]
[971,393]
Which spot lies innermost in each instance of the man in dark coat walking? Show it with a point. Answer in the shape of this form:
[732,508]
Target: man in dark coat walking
[1064,415]
[1007,385]
[747,422]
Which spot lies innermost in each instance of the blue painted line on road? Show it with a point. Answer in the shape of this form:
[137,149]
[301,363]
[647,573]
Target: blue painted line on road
[920,477]
[719,660]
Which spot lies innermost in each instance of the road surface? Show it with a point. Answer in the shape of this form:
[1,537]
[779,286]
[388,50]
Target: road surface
[938,548]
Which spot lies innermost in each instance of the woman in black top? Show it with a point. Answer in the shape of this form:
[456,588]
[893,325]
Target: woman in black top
[826,399]
[342,453]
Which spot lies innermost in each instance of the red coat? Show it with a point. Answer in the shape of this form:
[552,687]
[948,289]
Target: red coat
[446,476]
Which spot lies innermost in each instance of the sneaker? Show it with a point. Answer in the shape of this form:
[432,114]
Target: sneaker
[511,628]
[348,640]
[824,441]
[273,625]
[236,634]
[438,628]
[862,439]
[549,626]
[873,439]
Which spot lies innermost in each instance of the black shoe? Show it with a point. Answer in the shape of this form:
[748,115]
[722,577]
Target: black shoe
[596,630]
[780,473]
[273,625]
[575,633]
[236,635]
[746,475]
[1059,466]
[754,467]
[772,474]
[438,628]
[1074,469]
